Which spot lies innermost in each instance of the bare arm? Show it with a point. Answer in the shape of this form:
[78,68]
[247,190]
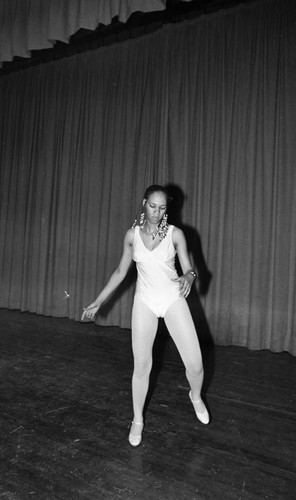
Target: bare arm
[115,279]
[187,279]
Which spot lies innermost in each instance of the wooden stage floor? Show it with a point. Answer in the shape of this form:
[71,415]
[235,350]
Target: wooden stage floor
[66,411]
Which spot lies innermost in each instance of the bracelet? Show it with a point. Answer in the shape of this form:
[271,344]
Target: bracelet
[193,273]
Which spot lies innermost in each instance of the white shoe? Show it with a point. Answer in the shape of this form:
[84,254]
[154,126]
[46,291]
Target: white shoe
[136,440]
[204,416]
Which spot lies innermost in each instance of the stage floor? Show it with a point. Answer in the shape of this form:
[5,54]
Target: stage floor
[66,411]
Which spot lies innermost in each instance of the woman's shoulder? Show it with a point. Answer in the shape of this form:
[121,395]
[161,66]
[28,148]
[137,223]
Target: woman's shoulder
[129,235]
[175,229]
[177,234]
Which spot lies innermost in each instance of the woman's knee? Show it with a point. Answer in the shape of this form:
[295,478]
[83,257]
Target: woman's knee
[195,370]
[142,368]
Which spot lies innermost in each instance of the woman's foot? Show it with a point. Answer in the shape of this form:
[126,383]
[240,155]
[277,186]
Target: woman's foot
[135,435]
[200,410]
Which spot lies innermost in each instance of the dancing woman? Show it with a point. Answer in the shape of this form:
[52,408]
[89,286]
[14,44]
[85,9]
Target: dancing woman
[160,293]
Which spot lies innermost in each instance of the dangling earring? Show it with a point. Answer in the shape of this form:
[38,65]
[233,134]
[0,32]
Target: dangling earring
[142,220]
[163,227]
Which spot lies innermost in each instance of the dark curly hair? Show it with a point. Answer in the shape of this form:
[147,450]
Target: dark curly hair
[156,188]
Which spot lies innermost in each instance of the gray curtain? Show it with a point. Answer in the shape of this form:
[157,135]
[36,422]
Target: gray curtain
[27,25]
[208,106]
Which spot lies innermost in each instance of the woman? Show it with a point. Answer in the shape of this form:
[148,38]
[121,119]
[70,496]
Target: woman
[160,292]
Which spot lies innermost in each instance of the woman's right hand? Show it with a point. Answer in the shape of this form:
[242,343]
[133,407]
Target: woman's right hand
[90,311]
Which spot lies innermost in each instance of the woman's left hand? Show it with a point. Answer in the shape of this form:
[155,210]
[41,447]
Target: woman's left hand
[185,283]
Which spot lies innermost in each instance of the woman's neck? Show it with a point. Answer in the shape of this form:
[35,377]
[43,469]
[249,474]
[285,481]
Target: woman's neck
[149,228]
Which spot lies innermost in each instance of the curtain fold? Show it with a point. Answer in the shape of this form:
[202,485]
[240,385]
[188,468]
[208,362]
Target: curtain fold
[208,106]
[34,25]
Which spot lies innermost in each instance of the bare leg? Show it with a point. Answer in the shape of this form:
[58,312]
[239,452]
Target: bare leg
[144,328]
[182,330]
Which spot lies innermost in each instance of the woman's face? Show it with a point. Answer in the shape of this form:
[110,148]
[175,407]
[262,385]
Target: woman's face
[155,207]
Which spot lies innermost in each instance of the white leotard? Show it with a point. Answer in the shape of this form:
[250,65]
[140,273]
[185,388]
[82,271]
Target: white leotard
[156,270]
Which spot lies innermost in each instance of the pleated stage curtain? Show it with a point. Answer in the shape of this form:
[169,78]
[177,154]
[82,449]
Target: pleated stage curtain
[27,25]
[207,106]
